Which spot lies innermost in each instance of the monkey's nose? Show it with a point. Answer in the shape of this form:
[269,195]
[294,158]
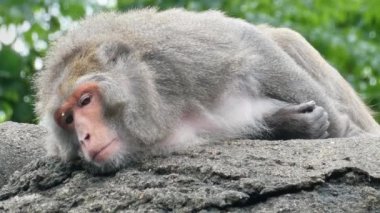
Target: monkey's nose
[86,139]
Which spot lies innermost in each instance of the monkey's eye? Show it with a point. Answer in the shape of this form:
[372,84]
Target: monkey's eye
[84,100]
[68,119]
[64,118]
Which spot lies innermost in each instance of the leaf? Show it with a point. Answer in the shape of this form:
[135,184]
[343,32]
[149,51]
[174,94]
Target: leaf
[5,109]
[54,24]
[11,62]
[72,8]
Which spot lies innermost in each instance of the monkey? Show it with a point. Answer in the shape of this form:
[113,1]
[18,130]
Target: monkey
[119,84]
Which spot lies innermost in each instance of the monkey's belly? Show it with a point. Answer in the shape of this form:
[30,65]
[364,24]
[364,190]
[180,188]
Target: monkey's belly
[233,117]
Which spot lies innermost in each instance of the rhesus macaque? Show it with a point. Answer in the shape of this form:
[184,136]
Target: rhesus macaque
[118,84]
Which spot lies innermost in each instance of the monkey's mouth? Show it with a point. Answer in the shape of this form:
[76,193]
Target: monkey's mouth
[106,152]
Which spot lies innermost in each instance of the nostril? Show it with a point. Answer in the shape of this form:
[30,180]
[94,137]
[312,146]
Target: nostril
[87,137]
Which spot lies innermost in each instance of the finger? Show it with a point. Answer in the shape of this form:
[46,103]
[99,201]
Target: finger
[317,114]
[306,107]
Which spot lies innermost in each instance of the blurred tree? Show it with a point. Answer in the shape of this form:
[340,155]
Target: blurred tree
[345,32]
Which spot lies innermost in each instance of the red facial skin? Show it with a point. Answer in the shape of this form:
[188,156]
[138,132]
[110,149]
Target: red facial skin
[97,141]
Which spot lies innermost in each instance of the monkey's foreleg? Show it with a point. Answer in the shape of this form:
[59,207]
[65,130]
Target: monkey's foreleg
[303,121]
[255,118]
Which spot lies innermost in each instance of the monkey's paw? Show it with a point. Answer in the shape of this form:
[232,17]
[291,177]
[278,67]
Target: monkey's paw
[305,120]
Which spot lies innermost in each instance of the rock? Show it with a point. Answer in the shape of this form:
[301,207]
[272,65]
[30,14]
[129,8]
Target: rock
[333,175]
[19,144]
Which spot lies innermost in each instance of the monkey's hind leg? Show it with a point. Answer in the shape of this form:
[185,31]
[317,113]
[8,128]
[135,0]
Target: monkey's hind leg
[354,117]
[283,79]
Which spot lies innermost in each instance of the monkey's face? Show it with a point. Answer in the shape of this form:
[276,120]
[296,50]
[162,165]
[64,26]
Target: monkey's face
[82,114]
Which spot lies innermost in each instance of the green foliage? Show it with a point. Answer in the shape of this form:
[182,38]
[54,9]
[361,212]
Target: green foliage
[345,32]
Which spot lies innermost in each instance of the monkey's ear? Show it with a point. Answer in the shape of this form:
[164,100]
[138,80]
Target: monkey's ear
[112,51]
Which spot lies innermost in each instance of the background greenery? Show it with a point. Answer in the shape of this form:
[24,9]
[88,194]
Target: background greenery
[347,33]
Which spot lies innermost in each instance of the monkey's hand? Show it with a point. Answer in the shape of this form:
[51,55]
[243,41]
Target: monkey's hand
[301,121]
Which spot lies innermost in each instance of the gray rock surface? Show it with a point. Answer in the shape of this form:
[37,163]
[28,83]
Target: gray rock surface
[19,144]
[334,175]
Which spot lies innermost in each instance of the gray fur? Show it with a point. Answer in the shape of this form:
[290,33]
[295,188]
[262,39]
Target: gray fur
[157,65]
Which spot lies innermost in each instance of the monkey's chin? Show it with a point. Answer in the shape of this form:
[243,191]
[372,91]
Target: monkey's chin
[107,152]
[109,166]
[108,160]
[104,169]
